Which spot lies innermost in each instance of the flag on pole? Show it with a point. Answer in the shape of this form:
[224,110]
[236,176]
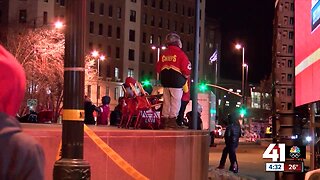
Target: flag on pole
[214,57]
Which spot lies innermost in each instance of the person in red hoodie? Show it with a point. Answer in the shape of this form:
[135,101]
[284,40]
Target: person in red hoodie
[104,113]
[174,68]
[21,156]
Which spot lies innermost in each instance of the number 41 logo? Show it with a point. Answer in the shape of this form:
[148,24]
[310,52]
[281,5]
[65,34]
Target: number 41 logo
[275,152]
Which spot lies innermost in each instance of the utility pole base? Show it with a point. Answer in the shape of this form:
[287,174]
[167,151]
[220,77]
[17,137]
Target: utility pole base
[71,169]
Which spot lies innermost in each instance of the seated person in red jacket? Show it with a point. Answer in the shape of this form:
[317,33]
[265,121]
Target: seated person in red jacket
[103,116]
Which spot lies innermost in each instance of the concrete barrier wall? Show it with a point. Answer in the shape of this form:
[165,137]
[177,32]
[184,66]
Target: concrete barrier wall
[157,154]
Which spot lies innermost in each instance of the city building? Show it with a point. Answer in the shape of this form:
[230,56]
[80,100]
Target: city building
[124,32]
[283,57]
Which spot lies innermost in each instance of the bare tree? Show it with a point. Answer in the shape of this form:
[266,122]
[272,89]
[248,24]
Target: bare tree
[41,53]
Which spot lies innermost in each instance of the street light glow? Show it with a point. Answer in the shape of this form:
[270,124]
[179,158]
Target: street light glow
[153,47]
[58,24]
[95,53]
[102,57]
[238,46]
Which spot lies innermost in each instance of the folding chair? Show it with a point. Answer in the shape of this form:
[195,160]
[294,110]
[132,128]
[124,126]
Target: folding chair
[140,107]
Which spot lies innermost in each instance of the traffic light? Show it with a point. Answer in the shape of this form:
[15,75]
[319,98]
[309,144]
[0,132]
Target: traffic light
[213,111]
[243,112]
[203,87]
[146,83]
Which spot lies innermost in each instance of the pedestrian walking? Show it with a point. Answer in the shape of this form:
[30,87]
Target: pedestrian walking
[21,156]
[104,113]
[231,137]
[174,68]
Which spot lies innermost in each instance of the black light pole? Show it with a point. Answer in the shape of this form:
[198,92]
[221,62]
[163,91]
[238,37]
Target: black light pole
[71,165]
[195,67]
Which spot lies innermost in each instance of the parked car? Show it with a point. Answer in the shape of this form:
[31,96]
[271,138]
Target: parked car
[219,131]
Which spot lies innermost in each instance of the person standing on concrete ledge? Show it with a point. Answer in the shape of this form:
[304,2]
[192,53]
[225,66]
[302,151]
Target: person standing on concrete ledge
[174,68]
[21,156]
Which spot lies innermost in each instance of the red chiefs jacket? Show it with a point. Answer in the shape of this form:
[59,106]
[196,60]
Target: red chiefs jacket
[173,67]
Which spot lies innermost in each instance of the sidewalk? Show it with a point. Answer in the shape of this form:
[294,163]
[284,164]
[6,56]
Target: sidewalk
[242,140]
[219,174]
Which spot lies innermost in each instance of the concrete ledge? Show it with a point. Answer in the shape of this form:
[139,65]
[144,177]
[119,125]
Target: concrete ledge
[157,154]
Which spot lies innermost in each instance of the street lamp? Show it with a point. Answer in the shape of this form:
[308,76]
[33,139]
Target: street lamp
[158,47]
[246,66]
[99,57]
[239,46]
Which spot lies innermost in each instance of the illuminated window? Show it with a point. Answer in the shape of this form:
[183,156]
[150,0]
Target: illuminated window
[116,73]
[151,39]
[130,72]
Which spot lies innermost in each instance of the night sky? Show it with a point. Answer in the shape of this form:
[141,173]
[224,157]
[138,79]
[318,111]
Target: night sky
[248,22]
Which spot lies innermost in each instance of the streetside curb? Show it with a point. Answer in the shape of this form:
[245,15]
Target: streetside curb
[220,174]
